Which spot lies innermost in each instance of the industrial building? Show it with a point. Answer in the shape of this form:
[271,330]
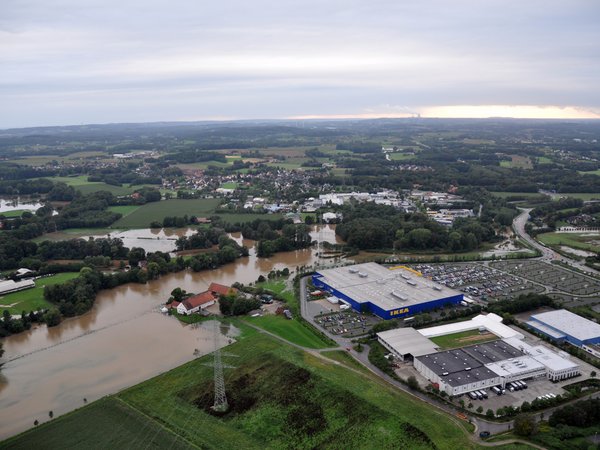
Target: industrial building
[406,343]
[483,322]
[493,363]
[387,293]
[564,326]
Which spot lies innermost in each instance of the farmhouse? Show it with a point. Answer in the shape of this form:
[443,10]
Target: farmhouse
[195,303]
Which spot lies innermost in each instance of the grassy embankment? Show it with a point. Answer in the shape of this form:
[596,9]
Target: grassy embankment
[462,338]
[33,299]
[280,397]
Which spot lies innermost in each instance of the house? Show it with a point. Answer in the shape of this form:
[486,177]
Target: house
[195,303]
[219,289]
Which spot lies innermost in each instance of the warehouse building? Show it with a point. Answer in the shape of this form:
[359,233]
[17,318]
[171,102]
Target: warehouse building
[483,322]
[564,326]
[387,293]
[456,371]
[406,343]
[494,363]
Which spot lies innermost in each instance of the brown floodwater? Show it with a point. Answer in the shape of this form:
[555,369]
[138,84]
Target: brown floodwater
[122,341]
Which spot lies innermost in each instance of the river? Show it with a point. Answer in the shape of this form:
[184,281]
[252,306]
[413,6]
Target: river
[122,341]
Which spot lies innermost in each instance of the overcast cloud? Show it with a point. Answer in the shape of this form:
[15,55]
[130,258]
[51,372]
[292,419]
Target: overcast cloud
[73,61]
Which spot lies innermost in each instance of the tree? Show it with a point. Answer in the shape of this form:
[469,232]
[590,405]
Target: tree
[524,425]
[593,374]
[412,383]
[479,409]
[52,317]
[489,413]
[177,294]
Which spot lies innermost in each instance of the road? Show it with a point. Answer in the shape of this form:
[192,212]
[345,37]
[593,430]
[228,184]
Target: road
[548,255]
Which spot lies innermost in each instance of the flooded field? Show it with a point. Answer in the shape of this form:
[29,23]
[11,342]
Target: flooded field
[17,205]
[122,341]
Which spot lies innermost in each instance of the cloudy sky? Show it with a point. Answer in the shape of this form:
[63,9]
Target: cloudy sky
[97,61]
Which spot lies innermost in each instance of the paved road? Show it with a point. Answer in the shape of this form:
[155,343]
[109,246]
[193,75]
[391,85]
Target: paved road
[548,255]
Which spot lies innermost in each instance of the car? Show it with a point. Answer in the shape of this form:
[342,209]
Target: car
[484,434]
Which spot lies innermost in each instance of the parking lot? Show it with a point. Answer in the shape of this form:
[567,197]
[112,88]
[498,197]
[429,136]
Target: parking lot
[550,275]
[347,324]
[479,281]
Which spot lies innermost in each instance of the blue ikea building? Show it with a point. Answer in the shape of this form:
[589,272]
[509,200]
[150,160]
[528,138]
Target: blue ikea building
[387,293]
[564,326]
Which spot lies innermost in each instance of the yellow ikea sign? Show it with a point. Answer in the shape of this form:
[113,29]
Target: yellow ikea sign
[398,311]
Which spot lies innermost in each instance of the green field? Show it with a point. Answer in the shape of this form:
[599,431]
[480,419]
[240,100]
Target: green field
[580,195]
[125,210]
[543,160]
[282,397]
[15,213]
[107,423]
[515,194]
[290,330]
[157,211]
[574,240]
[33,299]
[229,185]
[242,218]
[462,339]
[398,156]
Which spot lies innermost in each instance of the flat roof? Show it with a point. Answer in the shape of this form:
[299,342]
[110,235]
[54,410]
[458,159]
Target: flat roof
[491,322]
[550,359]
[546,329]
[493,351]
[570,324]
[407,340]
[456,367]
[516,366]
[388,289]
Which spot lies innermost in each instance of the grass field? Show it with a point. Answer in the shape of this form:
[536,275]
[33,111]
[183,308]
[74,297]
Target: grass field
[15,213]
[517,162]
[399,156]
[515,194]
[283,398]
[280,398]
[462,339]
[291,330]
[125,210]
[107,423]
[544,160]
[229,185]
[157,211]
[583,241]
[33,299]
[343,357]
[581,195]
[242,218]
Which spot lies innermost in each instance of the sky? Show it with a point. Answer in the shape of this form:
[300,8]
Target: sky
[71,61]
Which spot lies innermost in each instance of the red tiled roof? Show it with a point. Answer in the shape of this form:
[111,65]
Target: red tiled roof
[174,304]
[198,300]
[221,289]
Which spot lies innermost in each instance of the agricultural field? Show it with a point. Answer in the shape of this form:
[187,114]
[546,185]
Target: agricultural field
[462,339]
[125,210]
[399,156]
[107,423]
[517,162]
[84,186]
[515,194]
[33,299]
[157,211]
[585,196]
